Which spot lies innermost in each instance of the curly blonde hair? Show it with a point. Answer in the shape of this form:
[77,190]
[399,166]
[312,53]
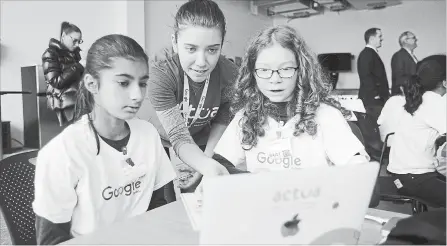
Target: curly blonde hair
[312,87]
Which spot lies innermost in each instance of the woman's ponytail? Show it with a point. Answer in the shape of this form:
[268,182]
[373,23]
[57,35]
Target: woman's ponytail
[67,27]
[413,91]
[84,105]
[64,26]
[430,73]
[84,101]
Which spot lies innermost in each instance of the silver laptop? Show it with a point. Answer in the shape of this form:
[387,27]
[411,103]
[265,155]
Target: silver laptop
[322,205]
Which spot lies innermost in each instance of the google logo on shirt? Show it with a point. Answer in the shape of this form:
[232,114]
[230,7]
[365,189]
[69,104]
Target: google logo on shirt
[272,159]
[109,192]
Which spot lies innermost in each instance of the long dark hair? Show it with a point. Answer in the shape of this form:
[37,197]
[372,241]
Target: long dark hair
[312,86]
[204,13]
[99,57]
[430,72]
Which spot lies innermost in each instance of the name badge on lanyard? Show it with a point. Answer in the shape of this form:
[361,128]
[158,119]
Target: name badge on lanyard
[186,100]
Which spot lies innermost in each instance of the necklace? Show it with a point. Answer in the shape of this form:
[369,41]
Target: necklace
[128,160]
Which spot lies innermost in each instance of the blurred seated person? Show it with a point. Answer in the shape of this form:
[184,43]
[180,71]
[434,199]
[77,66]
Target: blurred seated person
[412,156]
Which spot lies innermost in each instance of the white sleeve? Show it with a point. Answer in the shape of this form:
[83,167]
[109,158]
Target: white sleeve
[435,115]
[54,183]
[229,145]
[390,108]
[384,113]
[339,141]
[165,172]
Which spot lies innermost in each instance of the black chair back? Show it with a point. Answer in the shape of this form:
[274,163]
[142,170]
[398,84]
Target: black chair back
[385,149]
[16,197]
[357,132]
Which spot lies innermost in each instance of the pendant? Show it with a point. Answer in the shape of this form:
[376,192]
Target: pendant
[124,150]
[130,162]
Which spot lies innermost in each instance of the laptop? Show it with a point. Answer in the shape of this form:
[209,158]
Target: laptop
[321,205]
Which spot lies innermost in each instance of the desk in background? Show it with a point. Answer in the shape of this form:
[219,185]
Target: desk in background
[5,132]
[348,99]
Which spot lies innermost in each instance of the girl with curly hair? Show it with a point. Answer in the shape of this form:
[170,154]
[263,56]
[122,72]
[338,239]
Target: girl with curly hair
[284,117]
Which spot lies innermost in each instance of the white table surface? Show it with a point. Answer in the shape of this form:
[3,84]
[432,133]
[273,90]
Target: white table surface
[169,224]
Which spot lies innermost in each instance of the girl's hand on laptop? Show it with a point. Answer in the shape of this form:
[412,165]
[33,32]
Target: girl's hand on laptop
[189,179]
[214,168]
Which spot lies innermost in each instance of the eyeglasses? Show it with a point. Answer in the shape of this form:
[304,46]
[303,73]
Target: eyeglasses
[412,38]
[75,40]
[284,73]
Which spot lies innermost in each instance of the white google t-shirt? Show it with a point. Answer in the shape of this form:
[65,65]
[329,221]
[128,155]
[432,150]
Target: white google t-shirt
[334,143]
[74,184]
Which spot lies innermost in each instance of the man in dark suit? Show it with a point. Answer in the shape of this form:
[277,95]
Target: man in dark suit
[403,63]
[374,88]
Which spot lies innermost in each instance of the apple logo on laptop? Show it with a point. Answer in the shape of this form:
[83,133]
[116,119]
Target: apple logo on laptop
[290,228]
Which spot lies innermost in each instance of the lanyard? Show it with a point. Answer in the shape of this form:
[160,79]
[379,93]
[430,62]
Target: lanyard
[186,100]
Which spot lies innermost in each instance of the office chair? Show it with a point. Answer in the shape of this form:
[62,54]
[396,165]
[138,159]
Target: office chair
[16,197]
[389,191]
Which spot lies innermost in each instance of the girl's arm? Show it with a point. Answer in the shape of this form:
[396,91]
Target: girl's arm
[218,125]
[341,145]
[216,132]
[164,77]
[228,165]
[185,147]
[192,155]
[223,117]
[55,197]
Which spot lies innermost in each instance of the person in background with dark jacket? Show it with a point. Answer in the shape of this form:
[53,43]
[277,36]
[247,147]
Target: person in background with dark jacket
[403,63]
[374,88]
[62,71]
